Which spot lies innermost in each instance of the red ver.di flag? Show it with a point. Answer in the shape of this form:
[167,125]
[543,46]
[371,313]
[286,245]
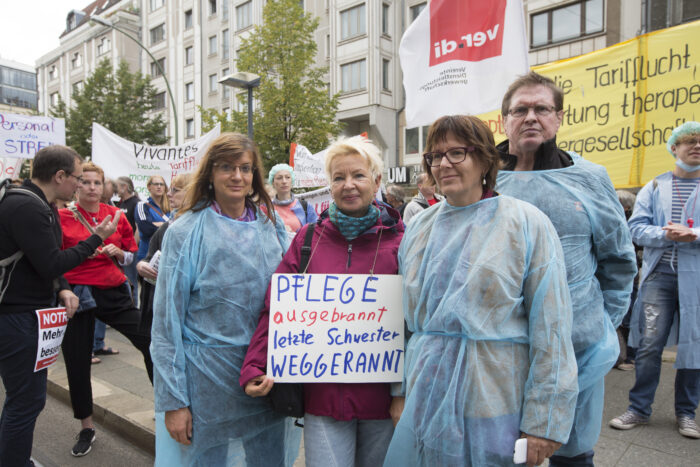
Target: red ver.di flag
[460,56]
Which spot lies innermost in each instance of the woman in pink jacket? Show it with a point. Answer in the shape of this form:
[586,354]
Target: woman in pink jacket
[344,424]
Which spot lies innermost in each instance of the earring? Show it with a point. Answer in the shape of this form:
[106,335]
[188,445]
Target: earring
[211,187]
[483,181]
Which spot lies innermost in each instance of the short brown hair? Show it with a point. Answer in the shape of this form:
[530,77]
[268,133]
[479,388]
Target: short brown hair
[473,132]
[51,159]
[92,167]
[528,80]
[226,147]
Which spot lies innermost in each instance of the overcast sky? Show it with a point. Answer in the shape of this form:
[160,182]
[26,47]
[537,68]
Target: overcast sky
[30,28]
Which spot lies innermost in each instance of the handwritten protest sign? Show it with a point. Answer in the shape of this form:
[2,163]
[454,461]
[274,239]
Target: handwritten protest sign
[23,135]
[120,157]
[10,167]
[335,328]
[52,328]
[308,168]
[622,102]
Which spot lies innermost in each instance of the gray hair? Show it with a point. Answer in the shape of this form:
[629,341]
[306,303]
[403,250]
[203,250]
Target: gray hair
[395,191]
[626,199]
[128,182]
[356,145]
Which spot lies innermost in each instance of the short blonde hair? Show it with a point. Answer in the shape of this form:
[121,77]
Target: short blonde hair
[356,145]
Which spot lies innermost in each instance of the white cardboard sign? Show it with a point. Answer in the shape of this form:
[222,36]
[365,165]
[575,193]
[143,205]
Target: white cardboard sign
[52,328]
[23,135]
[339,328]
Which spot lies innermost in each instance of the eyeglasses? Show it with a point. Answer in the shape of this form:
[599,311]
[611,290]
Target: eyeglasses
[174,190]
[522,110]
[228,169]
[690,141]
[454,155]
[157,184]
[79,179]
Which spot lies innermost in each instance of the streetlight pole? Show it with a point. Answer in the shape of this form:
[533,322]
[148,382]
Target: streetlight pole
[111,25]
[244,80]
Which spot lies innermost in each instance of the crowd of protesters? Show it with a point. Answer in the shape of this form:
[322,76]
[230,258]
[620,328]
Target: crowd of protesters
[520,288]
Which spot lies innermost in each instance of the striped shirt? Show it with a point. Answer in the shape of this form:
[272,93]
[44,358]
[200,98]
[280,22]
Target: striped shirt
[682,188]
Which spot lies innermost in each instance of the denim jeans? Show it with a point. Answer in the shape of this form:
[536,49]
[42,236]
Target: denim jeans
[98,342]
[334,443]
[659,295]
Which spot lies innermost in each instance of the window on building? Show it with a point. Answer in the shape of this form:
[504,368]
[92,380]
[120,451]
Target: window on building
[104,46]
[565,23]
[385,74]
[225,90]
[189,128]
[159,101]
[77,86]
[189,92]
[158,34]
[385,18]
[212,7]
[414,139]
[155,4]
[17,78]
[666,13]
[416,9]
[353,75]
[244,15]
[224,9]
[328,46]
[155,69]
[53,99]
[53,73]
[212,83]
[352,22]
[224,43]
[212,45]
[76,60]
[188,19]
[241,104]
[189,55]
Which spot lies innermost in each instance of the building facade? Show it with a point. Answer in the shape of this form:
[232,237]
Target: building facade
[18,91]
[196,43]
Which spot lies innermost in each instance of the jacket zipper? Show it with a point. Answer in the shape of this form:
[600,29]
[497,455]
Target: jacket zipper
[347,266]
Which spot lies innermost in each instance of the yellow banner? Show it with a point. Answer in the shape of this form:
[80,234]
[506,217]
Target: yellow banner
[622,102]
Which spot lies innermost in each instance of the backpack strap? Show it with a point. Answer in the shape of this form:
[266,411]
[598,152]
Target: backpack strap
[306,248]
[305,207]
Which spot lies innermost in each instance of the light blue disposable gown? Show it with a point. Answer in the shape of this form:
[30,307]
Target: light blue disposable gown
[212,279]
[490,356]
[652,211]
[600,266]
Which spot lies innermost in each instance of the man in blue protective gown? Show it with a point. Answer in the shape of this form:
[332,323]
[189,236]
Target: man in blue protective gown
[664,222]
[579,199]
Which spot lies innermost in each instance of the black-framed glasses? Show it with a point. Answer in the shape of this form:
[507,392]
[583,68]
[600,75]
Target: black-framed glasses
[157,184]
[79,179]
[228,169]
[540,110]
[454,155]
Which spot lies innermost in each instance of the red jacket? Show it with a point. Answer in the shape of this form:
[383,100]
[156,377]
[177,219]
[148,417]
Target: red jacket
[99,271]
[342,401]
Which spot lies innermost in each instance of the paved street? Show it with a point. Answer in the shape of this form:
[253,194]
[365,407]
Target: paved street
[124,404]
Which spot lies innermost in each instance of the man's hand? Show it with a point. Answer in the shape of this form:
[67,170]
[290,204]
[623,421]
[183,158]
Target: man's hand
[145,270]
[539,449]
[396,408]
[69,300]
[108,226]
[113,251]
[179,425]
[259,386]
[679,233]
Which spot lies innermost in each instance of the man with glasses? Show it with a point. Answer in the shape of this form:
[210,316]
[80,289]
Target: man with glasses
[579,199]
[31,278]
[665,222]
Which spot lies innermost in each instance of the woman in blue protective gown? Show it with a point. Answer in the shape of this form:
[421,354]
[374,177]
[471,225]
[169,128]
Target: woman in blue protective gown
[490,357]
[217,259]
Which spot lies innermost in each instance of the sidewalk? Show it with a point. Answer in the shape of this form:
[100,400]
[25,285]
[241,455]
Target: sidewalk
[123,400]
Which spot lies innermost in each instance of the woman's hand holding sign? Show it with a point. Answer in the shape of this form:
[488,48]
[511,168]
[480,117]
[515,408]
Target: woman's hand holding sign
[259,386]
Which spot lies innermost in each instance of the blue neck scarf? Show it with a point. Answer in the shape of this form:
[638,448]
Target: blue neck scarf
[353,227]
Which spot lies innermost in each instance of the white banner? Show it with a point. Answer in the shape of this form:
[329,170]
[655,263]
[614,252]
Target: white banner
[320,199]
[342,328]
[23,135]
[120,157]
[52,328]
[460,56]
[309,170]
[10,167]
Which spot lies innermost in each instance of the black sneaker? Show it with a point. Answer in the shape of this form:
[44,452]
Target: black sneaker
[85,439]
